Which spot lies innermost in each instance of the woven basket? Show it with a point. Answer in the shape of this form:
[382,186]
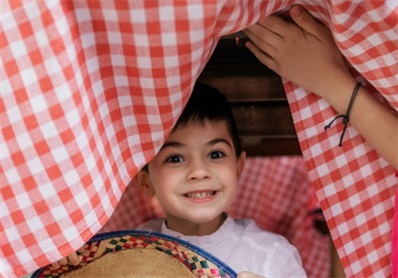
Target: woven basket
[140,254]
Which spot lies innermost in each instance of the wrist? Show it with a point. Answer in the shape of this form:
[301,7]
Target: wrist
[345,117]
[339,93]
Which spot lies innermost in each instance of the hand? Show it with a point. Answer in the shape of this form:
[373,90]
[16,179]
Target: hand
[304,53]
[247,274]
[72,259]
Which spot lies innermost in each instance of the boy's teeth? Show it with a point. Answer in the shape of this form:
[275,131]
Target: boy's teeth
[198,195]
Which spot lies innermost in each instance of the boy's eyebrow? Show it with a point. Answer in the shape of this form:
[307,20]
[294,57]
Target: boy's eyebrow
[171,144]
[210,143]
[219,140]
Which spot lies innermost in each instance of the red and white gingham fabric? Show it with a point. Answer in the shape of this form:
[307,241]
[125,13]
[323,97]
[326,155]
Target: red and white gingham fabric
[90,89]
[274,191]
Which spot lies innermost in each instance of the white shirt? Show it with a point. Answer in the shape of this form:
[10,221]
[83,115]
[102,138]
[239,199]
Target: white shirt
[243,246]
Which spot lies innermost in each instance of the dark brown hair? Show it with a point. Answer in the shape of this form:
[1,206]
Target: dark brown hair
[207,104]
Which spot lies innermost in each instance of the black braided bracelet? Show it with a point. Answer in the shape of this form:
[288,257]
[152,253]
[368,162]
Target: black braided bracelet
[346,116]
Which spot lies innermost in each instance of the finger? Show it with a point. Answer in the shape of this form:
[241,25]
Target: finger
[308,23]
[55,265]
[247,274]
[74,259]
[263,38]
[275,24]
[63,261]
[80,250]
[262,56]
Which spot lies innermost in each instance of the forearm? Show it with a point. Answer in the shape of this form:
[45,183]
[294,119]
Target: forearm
[372,119]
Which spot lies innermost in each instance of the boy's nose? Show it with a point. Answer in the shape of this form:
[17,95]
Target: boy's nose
[198,170]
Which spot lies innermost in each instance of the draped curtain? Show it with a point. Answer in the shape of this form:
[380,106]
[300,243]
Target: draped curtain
[91,89]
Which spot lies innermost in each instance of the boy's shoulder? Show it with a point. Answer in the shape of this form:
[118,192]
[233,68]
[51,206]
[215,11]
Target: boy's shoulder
[268,253]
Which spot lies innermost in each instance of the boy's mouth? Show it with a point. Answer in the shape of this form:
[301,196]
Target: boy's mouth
[200,195]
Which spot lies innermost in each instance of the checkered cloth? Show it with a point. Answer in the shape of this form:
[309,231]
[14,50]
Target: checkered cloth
[90,90]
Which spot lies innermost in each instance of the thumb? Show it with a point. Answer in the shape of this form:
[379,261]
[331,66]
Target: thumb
[308,23]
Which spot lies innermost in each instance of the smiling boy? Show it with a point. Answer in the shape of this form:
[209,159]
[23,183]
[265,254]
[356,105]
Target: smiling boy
[195,178]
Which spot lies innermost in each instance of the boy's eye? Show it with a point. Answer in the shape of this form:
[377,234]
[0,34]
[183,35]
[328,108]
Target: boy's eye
[174,159]
[216,155]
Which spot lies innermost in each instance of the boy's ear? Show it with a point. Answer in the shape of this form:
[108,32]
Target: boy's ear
[241,163]
[144,183]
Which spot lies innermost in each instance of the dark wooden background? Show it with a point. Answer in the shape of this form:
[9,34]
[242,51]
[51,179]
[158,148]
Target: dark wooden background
[257,98]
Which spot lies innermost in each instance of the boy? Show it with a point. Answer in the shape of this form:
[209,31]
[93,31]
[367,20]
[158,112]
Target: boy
[195,178]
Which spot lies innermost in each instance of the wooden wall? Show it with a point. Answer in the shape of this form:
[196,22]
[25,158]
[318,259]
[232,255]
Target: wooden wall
[257,98]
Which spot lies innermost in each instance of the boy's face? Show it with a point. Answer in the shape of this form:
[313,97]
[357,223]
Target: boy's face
[195,174]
